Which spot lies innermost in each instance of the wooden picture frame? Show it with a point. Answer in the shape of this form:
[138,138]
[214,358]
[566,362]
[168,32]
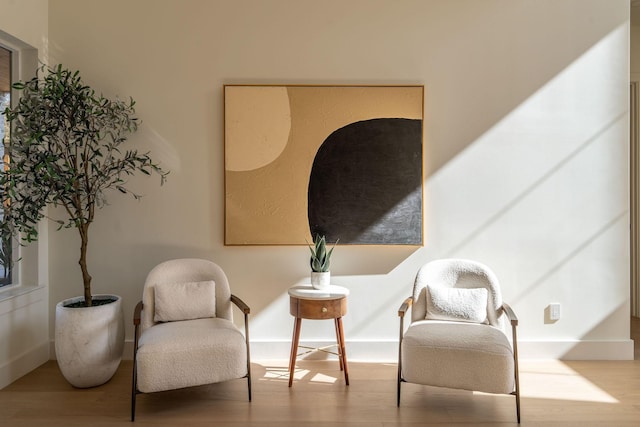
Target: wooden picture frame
[342,161]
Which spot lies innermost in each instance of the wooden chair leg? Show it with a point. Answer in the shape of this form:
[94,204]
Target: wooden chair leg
[134,386]
[517,394]
[400,358]
[248,372]
[133,407]
[134,379]
[246,337]
[399,374]
[516,370]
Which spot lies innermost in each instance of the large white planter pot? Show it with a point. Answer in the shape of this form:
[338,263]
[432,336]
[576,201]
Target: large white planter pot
[320,280]
[89,341]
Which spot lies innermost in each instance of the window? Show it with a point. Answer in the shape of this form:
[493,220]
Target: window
[5,100]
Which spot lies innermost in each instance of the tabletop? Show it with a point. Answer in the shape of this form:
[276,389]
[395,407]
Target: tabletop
[308,292]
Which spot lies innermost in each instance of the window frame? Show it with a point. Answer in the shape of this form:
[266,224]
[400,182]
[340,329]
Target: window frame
[12,277]
[29,270]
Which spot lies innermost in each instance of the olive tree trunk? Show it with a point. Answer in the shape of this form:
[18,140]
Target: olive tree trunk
[86,277]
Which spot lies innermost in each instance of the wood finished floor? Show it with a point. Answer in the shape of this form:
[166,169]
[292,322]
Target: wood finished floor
[554,393]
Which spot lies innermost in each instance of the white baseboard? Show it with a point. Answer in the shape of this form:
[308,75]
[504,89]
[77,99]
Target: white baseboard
[23,364]
[576,350]
[387,351]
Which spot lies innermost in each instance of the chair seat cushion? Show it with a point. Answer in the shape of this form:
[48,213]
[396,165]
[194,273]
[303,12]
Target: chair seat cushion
[459,355]
[189,353]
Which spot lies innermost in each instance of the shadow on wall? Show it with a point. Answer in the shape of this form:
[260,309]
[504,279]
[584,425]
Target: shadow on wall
[540,197]
[599,332]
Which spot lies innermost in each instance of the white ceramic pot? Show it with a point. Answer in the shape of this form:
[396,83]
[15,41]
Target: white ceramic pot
[320,280]
[89,341]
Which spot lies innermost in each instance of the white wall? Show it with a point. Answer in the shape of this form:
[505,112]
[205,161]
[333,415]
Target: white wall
[526,158]
[24,309]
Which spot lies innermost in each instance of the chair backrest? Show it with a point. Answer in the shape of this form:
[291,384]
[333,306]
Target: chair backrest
[186,270]
[457,273]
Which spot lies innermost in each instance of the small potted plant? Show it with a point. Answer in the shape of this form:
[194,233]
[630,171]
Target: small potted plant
[65,151]
[320,262]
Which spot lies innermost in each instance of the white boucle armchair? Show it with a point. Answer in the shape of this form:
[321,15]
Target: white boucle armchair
[456,337]
[184,330]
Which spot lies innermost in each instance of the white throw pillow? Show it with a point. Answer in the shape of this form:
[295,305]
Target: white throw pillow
[460,304]
[184,301]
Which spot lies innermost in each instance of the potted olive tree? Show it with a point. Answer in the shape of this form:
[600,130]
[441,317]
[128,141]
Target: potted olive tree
[66,151]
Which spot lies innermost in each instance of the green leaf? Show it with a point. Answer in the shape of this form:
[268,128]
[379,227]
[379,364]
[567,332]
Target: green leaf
[65,150]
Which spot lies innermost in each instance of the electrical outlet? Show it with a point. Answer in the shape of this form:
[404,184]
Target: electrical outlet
[554,311]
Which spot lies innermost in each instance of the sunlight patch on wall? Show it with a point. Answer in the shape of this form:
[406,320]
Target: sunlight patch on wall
[542,196]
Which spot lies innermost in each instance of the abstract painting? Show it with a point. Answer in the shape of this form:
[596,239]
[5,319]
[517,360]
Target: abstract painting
[342,161]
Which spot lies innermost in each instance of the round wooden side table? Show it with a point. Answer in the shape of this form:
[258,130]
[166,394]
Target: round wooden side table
[305,302]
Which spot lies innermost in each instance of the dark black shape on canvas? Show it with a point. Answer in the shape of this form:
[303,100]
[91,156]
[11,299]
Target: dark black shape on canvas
[366,184]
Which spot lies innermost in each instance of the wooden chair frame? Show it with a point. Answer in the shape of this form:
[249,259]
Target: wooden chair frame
[136,322]
[404,307]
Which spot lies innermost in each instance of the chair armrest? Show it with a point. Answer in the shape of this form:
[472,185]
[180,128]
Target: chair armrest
[136,314]
[405,306]
[511,315]
[240,304]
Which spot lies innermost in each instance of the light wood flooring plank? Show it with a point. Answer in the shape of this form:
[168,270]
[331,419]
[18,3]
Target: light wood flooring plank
[554,393]
[584,393]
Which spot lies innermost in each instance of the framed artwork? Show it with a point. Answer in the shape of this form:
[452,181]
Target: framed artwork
[342,161]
